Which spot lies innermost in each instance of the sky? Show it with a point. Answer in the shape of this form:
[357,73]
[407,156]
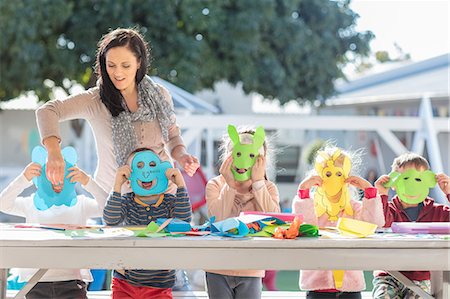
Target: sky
[419,27]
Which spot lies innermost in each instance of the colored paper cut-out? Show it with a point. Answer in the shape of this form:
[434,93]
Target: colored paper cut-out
[45,196]
[244,155]
[230,227]
[412,186]
[151,230]
[338,276]
[308,230]
[421,227]
[175,225]
[355,228]
[148,174]
[287,217]
[333,170]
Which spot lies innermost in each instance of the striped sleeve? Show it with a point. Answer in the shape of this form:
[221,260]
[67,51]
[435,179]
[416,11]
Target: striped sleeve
[181,207]
[115,209]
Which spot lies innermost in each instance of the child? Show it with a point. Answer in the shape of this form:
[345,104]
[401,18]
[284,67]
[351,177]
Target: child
[241,186]
[333,200]
[51,209]
[149,178]
[408,206]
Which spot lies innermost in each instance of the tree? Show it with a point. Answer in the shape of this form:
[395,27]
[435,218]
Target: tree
[281,49]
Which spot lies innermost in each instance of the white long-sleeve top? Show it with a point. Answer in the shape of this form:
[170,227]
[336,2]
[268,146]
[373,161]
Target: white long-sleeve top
[78,214]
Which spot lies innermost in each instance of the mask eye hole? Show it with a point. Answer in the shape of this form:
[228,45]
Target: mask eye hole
[252,156]
[418,180]
[238,154]
[339,173]
[152,164]
[405,178]
[328,173]
[140,164]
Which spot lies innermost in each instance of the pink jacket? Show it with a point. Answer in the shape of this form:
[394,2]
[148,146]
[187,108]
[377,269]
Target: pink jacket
[224,202]
[370,210]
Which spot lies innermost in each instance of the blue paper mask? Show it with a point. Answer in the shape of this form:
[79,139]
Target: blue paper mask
[45,197]
[148,174]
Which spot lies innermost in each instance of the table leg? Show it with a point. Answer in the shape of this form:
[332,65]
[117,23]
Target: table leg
[3,278]
[410,285]
[30,284]
[445,285]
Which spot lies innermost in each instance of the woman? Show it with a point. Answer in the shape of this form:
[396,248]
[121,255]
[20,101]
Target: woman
[126,110]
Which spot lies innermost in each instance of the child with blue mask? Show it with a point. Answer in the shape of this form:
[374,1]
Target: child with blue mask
[54,204]
[149,200]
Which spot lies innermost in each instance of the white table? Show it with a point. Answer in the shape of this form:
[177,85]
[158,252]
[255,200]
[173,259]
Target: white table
[46,249]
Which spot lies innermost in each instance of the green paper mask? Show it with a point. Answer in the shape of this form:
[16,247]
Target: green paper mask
[412,186]
[244,155]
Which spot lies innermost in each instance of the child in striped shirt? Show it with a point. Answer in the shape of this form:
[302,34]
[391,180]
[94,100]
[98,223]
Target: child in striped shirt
[140,207]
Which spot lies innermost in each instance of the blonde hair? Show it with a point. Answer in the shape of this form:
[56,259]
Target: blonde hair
[355,157]
[410,159]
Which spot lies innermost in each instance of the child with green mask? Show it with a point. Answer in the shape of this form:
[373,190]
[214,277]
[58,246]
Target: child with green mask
[241,186]
[411,179]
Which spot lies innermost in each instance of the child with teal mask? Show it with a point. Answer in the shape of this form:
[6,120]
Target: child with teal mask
[411,179]
[241,186]
[150,199]
[54,204]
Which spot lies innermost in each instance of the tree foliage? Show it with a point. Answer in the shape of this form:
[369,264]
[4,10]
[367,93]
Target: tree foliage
[292,49]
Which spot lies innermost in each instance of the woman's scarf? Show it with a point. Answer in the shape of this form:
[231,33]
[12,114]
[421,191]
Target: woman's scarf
[151,105]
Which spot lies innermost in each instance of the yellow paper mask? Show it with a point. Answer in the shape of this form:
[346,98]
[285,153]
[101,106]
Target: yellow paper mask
[333,196]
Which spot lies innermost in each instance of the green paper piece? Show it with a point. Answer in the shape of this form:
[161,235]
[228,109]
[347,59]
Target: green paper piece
[152,227]
[308,230]
[150,231]
[244,155]
[412,186]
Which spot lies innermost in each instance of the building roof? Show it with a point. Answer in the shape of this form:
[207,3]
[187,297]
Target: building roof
[186,101]
[429,76]
[182,100]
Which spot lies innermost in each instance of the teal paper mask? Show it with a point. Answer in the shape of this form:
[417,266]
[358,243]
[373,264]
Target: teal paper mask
[148,174]
[45,197]
[244,155]
[412,186]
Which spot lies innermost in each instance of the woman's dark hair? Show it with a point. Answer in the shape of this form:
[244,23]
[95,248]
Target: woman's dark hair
[133,40]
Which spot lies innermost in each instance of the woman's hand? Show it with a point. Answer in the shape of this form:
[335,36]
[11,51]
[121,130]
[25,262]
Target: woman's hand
[259,169]
[55,161]
[379,184]
[122,175]
[358,182]
[78,175]
[32,170]
[443,182]
[310,181]
[189,163]
[225,171]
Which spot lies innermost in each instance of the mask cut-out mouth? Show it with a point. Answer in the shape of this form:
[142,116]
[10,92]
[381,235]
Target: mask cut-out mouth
[411,196]
[146,185]
[240,170]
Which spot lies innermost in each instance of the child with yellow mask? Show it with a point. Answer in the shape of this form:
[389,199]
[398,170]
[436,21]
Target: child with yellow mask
[333,183]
